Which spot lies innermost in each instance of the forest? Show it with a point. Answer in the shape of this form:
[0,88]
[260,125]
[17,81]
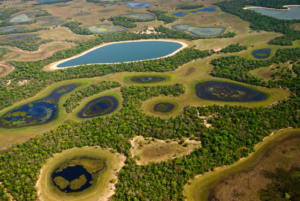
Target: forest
[188,7]
[234,48]
[162,17]
[7,13]
[22,31]
[127,22]
[261,22]
[6,24]
[75,27]
[30,44]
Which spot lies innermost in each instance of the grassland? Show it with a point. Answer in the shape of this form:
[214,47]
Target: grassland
[102,189]
[202,184]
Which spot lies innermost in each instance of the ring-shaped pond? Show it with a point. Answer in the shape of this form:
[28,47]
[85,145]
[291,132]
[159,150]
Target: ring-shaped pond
[99,107]
[37,112]
[123,52]
[224,91]
[163,107]
[200,31]
[261,53]
[147,79]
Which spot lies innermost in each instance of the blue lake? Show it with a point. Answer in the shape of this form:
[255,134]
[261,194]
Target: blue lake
[138,5]
[179,14]
[207,10]
[261,53]
[125,52]
[11,29]
[36,112]
[292,14]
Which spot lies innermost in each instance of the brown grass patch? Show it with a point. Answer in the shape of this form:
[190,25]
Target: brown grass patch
[190,70]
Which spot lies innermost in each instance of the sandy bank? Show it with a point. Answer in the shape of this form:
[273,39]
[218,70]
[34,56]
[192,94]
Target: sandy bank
[54,65]
[271,8]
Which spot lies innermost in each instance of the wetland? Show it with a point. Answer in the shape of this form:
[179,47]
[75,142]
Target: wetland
[144,79]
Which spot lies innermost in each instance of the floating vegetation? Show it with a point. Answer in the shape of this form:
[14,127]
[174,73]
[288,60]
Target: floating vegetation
[99,107]
[224,91]
[21,18]
[164,107]
[142,16]
[82,14]
[11,29]
[138,5]
[147,79]
[261,53]
[206,10]
[37,112]
[200,31]
[106,28]
[179,14]
[22,36]
[77,174]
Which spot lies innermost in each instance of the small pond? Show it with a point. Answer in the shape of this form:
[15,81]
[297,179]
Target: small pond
[21,18]
[206,10]
[125,52]
[46,18]
[22,36]
[147,79]
[179,14]
[163,107]
[261,53]
[142,16]
[106,28]
[200,31]
[37,112]
[138,5]
[77,174]
[11,29]
[223,91]
[42,1]
[1,13]
[288,14]
[82,14]
[99,107]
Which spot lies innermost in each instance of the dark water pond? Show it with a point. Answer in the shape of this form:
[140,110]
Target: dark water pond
[207,10]
[37,112]
[22,36]
[163,107]
[179,14]
[138,5]
[125,52]
[147,79]
[82,14]
[261,53]
[11,29]
[63,179]
[288,14]
[224,91]
[98,107]
[46,18]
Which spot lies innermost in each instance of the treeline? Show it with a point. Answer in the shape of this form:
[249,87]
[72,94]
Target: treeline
[261,22]
[127,22]
[188,7]
[3,195]
[30,44]
[6,24]
[278,4]
[75,28]
[44,13]
[234,48]
[162,17]
[51,2]
[74,100]
[22,31]
[227,35]
[7,13]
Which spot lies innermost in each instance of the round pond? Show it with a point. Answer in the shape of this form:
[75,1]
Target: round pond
[138,5]
[163,107]
[21,18]
[206,10]
[141,16]
[179,14]
[124,52]
[77,174]
[200,31]
[37,112]
[99,107]
[224,91]
[261,53]
[292,13]
[147,79]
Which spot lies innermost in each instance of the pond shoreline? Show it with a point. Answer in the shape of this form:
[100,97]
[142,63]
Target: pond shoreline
[54,66]
[271,8]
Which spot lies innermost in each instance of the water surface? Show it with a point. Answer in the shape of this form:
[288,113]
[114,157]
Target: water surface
[292,14]
[200,31]
[179,14]
[138,5]
[223,91]
[11,29]
[261,53]
[125,52]
[22,36]
[21,18]
[142,16]
[147,79]
[206,10]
